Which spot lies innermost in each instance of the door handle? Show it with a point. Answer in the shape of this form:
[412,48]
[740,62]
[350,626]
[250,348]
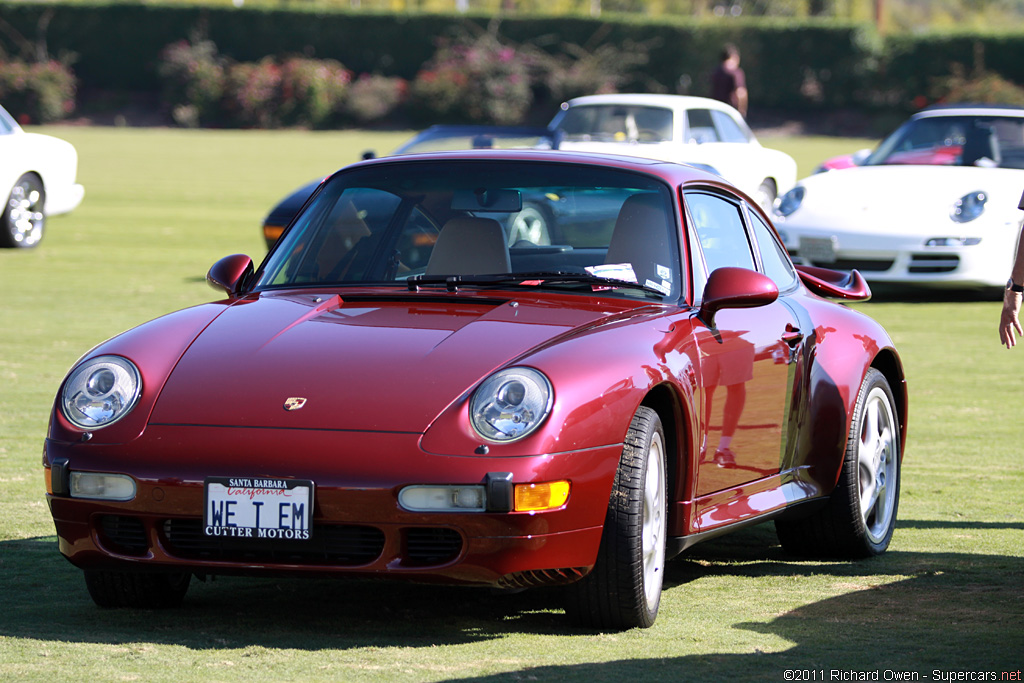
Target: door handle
[792,336]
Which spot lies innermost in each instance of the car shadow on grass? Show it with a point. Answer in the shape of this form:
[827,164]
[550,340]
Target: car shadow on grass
[932,601]
[911,294]
[45,597]
[948,621]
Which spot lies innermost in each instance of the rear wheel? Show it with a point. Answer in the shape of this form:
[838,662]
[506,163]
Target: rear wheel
[532,224]
[860,516]
[22,222]
[148,590]
[624,589]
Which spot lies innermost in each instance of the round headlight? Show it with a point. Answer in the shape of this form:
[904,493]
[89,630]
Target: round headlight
[791,201]
[100,391]
[968,207]
[510,404]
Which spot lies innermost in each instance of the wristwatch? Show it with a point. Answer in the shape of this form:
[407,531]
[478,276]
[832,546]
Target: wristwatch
[1013,286]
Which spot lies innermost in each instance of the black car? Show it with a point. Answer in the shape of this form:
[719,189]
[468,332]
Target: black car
[531,224]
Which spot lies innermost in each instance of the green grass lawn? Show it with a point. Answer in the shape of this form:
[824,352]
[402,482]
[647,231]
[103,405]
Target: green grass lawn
[162,205]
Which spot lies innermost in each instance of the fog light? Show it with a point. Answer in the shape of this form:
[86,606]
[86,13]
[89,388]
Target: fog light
[953,242]
[443,498]
[543,496]
[103,486]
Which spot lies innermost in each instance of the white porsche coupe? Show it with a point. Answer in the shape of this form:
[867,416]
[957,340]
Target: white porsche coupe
[692,130]
[935,204]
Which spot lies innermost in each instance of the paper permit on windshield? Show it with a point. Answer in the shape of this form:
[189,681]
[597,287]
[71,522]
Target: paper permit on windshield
[625,272]
[614,271]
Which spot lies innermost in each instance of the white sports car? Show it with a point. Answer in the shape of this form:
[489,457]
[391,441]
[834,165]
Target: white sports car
[692,130]
[37,179]
[934,204]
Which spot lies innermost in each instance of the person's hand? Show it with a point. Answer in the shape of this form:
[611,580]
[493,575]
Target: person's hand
[1008,319]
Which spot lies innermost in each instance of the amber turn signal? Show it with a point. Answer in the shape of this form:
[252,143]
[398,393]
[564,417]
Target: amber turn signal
[272,232]
[543,496]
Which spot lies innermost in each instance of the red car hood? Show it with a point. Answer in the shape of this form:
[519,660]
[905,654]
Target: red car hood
[370,364]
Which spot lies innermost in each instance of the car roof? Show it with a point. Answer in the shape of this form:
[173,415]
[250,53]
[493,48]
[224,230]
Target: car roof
[473,131]
[670,171]
[676,102]
[970,109]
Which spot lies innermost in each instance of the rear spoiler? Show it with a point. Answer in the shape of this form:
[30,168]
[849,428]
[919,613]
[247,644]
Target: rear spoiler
[844,285]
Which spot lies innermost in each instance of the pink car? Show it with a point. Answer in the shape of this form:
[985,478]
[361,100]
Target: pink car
[843,161]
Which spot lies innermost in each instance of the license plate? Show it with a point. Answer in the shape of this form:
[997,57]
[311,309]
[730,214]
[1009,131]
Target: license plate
[819,249]
[258,508]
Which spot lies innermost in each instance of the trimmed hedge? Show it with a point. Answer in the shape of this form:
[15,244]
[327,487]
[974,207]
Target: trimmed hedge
[790,64]
[916,63]
[118,46]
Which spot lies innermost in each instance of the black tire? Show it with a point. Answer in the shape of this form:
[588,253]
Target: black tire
[860,516]
[23,220]
[624,589]
[145,590]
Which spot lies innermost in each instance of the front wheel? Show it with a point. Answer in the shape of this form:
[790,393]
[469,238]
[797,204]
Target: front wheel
[624,588]
[23,219]
[860,516]
[766,195]
[145,590]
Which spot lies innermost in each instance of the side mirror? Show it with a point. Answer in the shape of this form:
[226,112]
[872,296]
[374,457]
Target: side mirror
[735,288]
[860,156]
[230,274]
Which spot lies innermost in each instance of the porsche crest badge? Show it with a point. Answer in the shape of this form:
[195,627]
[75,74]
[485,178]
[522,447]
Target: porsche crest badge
[294,403]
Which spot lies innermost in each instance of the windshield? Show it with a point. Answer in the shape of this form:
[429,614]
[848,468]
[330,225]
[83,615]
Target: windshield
[616,123]
[483,223]
[443,138]
[984,141]
[7,124]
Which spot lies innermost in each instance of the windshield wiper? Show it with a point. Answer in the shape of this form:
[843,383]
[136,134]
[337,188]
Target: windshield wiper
[529,280]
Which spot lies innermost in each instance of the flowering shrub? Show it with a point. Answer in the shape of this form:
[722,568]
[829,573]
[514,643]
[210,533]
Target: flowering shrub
[269,94]
[476,80]
[470,79]
[312,91]
[38,92]
[193,81]
[251,96]
[438,93]
[579,71]
[372,97]
[981,86]
[201,87]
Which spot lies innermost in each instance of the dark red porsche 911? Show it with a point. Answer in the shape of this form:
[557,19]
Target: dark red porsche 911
[398,391]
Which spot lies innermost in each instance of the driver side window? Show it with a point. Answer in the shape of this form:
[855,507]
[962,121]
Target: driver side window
[717,224]
[774,258]
[728,129]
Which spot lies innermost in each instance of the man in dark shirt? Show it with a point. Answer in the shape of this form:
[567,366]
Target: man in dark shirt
[728,82]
